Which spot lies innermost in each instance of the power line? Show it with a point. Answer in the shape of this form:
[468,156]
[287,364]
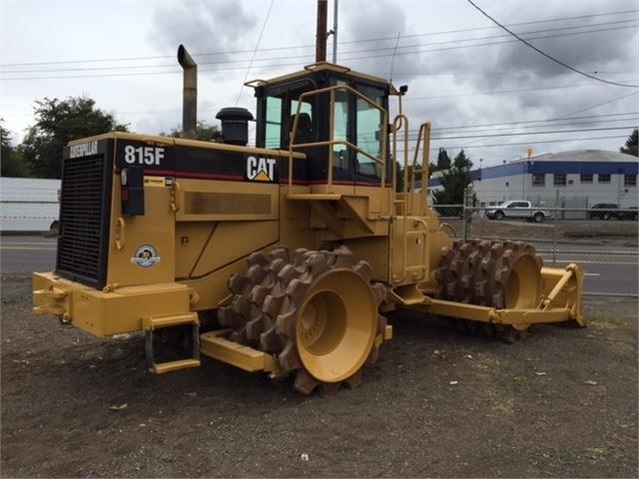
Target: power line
[587,117]
[513,131]
[494,43]
[612,100]
[546,55]
[377,50]
[557,19]
[531,143]
[259,39]
[278,65]
[528,133]
[526,129]
[590,28]
[503,92]
[124,59]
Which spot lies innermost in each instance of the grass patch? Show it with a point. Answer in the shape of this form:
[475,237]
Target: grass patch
[503,404]
[602,322]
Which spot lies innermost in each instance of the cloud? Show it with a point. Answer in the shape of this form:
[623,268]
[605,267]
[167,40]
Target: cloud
[540,89]
[391,28]
[209,27]
[598,41]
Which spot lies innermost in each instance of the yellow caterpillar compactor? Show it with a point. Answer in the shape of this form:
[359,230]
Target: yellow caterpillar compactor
[279,257]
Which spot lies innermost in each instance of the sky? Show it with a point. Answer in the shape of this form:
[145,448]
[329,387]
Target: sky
[481,88]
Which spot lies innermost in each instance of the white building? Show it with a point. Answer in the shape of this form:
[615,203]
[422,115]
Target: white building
[570,179]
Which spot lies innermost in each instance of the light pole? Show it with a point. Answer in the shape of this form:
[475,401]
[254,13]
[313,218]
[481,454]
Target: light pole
[523,173]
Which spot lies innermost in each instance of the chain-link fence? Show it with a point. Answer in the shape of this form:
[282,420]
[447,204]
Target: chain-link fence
[28,216]
[603,241]
[574,225]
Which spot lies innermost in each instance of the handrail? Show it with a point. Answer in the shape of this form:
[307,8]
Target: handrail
[400,121]
[422,136]
[330,142]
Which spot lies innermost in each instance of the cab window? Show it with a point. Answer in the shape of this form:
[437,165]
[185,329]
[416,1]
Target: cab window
[273,133]
[280,108]
[340,127]
[369,131]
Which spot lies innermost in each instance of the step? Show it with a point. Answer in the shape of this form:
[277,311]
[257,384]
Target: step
[170,366]
[153,324]
[159,322]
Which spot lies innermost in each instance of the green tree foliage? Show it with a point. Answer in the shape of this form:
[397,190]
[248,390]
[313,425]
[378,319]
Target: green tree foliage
[11,160]
[57,123]
[454,182]
[461,162]
[203,131]
[443,160]
[631,144]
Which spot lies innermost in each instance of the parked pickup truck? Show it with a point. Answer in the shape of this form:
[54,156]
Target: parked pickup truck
[517,209]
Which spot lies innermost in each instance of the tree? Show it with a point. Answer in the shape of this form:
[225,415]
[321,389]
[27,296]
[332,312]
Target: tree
[454,182]
[12,162]
[631,144]
[203,131]
[443,160]
[58,122]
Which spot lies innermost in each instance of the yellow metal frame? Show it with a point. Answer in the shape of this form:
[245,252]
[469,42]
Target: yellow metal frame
[215,344]
[330,142]
[560,302]
[110,311]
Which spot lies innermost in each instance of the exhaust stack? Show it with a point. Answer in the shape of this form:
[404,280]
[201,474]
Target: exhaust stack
[189,95]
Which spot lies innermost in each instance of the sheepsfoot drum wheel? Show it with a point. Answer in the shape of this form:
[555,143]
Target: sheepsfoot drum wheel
[497,274]
[315,310]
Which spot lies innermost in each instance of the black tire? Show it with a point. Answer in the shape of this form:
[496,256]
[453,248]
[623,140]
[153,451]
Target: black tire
[607,216]
[538,217]
[499,215]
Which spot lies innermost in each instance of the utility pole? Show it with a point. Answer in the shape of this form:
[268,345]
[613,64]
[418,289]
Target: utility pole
[320,35]
[335,8]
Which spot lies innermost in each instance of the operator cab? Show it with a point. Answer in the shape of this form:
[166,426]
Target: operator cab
[342,119]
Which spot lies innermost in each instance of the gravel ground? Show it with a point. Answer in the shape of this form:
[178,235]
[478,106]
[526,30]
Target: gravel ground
[439,403]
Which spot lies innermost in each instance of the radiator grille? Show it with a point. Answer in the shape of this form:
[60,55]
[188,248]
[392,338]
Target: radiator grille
[84,213]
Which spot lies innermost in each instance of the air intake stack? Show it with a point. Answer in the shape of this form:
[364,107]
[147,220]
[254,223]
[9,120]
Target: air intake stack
[234,125]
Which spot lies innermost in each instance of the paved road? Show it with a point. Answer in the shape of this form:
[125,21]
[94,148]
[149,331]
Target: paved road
[609,269]
[22,255]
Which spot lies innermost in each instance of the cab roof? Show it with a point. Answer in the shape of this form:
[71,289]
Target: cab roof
[320,67]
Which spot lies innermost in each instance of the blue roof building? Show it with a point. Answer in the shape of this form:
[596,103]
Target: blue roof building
[570,179]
